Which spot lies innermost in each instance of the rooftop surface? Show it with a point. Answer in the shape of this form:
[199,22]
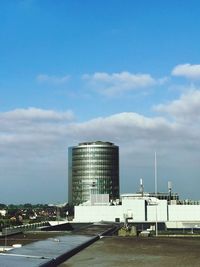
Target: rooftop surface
[48,248]
[43,251]
[148,252]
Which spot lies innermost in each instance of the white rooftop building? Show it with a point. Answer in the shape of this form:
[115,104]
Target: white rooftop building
[140,208]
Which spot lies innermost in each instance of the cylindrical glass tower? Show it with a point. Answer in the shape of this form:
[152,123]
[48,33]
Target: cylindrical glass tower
[93,165]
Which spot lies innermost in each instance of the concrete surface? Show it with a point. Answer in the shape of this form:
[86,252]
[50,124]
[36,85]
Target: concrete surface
[129,251]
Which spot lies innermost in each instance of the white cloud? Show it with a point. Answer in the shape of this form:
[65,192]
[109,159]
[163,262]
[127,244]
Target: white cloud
[112,84]
[121,126]
[31,129]
[35,141]
[44,78]
[36,114]
[27,131]
[187,70]
[185,109]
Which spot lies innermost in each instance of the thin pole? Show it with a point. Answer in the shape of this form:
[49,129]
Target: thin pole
[156,185]
[156,192]
[5,237]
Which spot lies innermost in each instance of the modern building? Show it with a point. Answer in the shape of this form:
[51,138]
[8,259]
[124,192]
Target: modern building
[144,210]
[93,169]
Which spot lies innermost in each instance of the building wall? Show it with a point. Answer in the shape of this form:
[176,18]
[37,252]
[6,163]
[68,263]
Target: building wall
[70,175]
[93,169]
[159,211]
[183,224]
[98,213]
[184,212]
[136,207]
[129,208]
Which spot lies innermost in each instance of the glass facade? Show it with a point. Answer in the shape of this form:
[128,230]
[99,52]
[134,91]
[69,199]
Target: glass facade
[93,169]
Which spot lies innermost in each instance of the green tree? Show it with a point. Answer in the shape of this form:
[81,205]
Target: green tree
[3,206]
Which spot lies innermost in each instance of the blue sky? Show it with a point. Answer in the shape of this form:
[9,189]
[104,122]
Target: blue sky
[123,71]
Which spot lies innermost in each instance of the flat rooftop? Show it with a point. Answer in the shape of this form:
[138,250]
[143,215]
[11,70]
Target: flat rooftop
[48,248]
[130,251]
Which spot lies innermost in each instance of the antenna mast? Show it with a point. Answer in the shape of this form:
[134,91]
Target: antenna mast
[156,182]
[156,192]
[141,187]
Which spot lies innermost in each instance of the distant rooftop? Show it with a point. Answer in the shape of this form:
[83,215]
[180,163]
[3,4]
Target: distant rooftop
[99,143]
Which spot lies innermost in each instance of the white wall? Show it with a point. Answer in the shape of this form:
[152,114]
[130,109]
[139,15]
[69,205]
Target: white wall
[161,211]
[110,213]
[136,207]
[183,224]
[97,213]
[184,212]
